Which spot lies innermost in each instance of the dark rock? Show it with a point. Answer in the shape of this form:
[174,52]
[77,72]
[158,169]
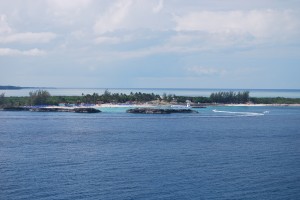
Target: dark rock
[45,109]
[159,111]
[76,110]
[182,111]
[14,108]
[49,109]
[86,110]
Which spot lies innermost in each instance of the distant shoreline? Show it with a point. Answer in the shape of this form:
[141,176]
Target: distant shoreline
[210,105]
[98,108]
[223,98]
[9,87]
[17,91]
[148,104]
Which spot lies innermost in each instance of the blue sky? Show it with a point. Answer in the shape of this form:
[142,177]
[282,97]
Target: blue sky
[150,43]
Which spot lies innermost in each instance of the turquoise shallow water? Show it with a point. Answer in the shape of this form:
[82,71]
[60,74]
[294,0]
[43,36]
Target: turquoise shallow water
[238,153]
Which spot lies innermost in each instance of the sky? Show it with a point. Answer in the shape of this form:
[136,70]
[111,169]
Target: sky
[150,43]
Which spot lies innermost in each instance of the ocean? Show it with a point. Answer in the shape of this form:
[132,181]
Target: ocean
[289,93]
[219,153]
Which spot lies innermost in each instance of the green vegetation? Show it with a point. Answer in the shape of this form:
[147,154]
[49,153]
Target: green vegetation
[108,97]
[2,98]
[43,97]
[275,100]
[39,97]
[230,97]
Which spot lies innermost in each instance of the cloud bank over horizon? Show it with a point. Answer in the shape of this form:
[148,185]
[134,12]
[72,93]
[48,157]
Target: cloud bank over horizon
[157,43]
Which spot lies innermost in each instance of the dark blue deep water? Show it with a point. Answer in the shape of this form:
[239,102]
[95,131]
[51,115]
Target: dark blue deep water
[115,155]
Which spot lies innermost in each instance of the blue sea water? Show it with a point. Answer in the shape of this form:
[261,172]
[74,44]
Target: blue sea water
[238,153]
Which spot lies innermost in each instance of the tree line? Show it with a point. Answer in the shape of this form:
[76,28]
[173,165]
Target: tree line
[43,97]
[108,97]
[230,97]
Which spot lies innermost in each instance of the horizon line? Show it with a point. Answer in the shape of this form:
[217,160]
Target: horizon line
[147,88]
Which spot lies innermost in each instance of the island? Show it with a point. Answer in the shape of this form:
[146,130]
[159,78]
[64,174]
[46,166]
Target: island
[159,111]
[12,87]
[147,103]
[53,109]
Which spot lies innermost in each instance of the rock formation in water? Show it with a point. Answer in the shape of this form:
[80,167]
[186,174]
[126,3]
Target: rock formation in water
[15,108]
[50,109]
[159,111]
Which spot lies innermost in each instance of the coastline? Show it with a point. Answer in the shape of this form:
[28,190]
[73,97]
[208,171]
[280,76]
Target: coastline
[146,105]
[42,98]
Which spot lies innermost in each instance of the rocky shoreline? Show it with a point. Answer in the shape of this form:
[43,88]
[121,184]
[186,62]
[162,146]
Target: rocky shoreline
[140,110]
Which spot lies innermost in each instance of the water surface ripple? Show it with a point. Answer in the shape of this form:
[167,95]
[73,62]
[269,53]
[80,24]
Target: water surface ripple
[210,155]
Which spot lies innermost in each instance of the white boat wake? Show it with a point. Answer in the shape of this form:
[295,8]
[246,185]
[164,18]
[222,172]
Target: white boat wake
[241,113]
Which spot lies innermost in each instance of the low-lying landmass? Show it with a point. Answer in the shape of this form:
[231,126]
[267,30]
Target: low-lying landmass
[42,98]
[11,87]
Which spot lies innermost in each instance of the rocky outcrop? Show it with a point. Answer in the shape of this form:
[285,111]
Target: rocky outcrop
[86,110]
[159,111]
[45,109]
[76,110]
[55,109]
[15,108]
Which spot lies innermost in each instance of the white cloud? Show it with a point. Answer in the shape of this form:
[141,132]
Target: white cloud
[211,42]
[145,52]
[133,15]
[114,16]
[227,33]
[159,6]
[8,35]
[68,4]
[27,37]
[79,34]
[107,40]
[67,8]
[256,23]
[69,12]
[16,52]
[4,27]
[112,40]
[205,71]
